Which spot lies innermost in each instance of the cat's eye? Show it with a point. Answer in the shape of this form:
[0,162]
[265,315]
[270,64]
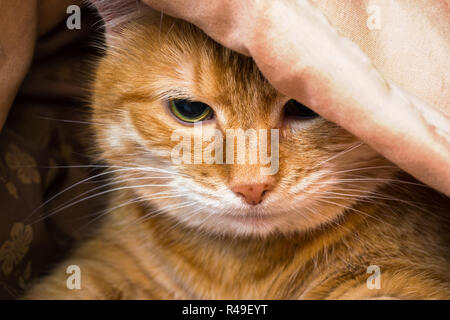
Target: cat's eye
[296,109]
[190,111]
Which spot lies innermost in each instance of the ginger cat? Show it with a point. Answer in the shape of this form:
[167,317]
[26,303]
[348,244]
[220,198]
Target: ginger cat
[333,208]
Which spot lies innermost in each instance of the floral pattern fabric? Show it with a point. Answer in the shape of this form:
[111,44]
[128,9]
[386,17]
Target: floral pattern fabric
[43,153]
[13,251]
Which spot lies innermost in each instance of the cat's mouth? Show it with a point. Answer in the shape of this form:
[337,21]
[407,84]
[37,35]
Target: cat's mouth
[251,218]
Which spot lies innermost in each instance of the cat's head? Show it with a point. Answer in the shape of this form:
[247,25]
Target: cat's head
[161,78]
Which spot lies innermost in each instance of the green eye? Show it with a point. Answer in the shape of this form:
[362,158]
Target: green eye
[297,110]
[190,111]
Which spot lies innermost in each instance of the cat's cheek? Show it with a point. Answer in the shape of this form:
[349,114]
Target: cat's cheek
[114,137]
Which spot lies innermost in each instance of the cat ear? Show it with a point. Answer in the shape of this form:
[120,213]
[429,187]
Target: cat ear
[117,12]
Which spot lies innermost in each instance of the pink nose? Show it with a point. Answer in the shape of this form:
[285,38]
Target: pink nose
[252,193]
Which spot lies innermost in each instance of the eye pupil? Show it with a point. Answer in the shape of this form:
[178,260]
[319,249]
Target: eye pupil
[298,110]
[190,111]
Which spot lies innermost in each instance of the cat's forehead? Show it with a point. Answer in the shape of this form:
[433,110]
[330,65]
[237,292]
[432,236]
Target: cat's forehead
[235,88]
[233,81]
[206,71]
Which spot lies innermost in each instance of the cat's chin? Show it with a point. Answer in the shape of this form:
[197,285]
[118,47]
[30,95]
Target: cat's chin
[271,217]
[257,225]
[254,221]
[251,224]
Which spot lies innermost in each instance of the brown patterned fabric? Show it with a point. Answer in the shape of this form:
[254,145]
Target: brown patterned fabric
[43,151]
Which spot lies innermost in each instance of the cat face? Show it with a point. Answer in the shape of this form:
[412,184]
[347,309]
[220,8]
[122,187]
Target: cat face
[160,80]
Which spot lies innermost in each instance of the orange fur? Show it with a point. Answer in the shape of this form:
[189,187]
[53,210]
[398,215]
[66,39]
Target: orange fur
[336,208]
